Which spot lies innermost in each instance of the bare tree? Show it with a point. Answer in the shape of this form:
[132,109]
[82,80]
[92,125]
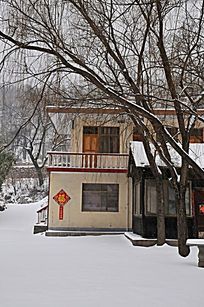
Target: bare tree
[35,143]
[128,53]
[36,132]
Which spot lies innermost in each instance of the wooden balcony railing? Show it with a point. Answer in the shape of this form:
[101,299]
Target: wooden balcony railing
[87,160]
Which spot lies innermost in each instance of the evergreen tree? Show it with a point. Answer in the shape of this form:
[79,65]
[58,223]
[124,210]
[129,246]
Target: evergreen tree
[6,160]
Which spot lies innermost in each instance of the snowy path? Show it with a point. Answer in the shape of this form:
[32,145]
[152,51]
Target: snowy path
[104,271]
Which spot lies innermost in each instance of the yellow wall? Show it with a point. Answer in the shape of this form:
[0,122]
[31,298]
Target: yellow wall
[73,215]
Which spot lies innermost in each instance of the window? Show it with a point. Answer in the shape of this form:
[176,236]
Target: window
[188,200]
[169,195]
[109,139]
[100,197]
[137,136]
[101,139]
[137,210]
[151,197]
[196,135]
[169,198]
[90,130]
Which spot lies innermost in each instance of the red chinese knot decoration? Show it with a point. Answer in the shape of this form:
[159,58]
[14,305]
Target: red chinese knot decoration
[61,198]
[61,212]
[201,209]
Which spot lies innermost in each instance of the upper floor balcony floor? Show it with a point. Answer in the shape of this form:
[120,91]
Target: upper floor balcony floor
[87,162]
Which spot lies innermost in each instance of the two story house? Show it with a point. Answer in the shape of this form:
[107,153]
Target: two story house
[89,190]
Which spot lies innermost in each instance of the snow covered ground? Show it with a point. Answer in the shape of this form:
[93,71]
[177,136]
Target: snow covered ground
[105,271]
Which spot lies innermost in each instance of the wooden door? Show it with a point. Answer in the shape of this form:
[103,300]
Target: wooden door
[90,145]
[199,210]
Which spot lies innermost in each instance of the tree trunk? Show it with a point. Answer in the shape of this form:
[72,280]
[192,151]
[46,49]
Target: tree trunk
[37,168]
[161,236]
[182,229]
[40,176]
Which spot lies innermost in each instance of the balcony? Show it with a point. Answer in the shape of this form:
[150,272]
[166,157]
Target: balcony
[87,162]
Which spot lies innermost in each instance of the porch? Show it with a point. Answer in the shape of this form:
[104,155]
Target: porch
[87,162]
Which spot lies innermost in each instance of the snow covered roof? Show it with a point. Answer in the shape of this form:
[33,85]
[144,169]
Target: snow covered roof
[196,152]
[87,110]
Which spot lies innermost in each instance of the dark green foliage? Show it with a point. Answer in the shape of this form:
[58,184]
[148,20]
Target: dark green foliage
[6,160]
